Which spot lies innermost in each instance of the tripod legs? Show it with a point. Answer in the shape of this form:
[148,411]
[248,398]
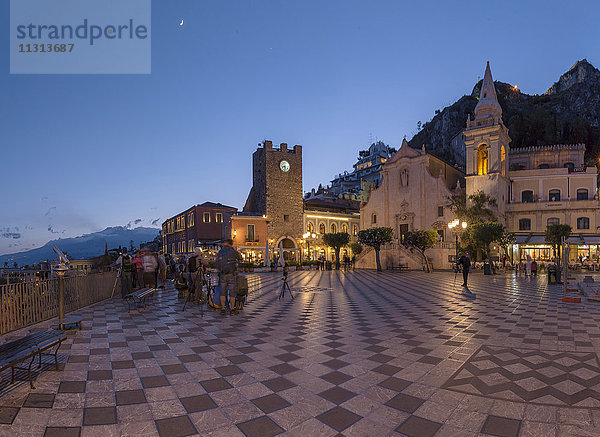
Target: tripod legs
[285,286]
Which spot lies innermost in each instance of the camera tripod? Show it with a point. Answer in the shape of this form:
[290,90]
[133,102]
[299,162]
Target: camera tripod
[285,286]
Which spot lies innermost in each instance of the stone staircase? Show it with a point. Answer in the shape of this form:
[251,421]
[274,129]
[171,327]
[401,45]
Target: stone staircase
[392,254]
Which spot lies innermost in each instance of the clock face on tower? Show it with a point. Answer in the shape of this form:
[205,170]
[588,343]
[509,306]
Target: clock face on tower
[284,166]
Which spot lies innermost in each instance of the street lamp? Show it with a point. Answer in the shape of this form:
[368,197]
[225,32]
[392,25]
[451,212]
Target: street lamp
[307,237]
[453,224]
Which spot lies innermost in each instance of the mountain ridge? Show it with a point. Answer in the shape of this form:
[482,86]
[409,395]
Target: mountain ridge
[83,246]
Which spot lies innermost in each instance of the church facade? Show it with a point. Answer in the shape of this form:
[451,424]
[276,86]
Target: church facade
[413,195]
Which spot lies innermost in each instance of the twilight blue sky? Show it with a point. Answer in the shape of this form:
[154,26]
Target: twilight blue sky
[80,153]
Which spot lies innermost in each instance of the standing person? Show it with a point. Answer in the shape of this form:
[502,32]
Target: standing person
[181,283]
[227,266]
[353,262]
[172,265]
[534,267]
[126,267]
[162,269]
[138,269]
[528,265]
[465,262]
[195,272]
[149,266]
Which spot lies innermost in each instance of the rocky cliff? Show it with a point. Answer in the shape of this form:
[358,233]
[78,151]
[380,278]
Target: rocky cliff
[569,112]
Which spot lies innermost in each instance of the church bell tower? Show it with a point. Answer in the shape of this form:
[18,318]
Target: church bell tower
[487,146]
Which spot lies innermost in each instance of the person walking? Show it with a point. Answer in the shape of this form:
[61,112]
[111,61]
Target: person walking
[465,263]
[226,263]
[126,267]
[528,265]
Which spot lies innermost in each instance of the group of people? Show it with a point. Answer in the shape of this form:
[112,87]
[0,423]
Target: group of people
[347,262]
[191,278]
[528,266]
[145,269]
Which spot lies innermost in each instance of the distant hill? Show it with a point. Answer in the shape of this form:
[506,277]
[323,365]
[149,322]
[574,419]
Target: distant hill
[83,247]
[568,113]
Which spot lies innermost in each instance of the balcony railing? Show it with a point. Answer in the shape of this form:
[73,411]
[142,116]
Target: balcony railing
[27,303]
[546,200]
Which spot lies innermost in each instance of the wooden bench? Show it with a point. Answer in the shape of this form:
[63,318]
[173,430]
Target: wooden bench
[139,297]
[17,351]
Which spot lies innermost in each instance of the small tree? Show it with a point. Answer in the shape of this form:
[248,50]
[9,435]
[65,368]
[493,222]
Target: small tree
[356,248]
[421,240]
[475,208]
[375,237]
[554,236]
[336,242]
[485,234]
[506,240]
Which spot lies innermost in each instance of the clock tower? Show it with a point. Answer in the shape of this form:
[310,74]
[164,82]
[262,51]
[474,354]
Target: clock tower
[277,192]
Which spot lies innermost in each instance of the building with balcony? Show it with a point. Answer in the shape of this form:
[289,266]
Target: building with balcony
[323,215]
[204,225]
[534,186]
[250,238]
[366,174]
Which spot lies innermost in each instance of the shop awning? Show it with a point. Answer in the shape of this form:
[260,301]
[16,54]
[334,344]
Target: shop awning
[574,240]
[537,239]
[521,239]
[591,239]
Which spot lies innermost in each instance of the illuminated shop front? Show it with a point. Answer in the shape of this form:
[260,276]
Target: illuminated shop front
[581,249]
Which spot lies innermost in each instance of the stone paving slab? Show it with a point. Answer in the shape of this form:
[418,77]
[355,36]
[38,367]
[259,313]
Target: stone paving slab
[355,353]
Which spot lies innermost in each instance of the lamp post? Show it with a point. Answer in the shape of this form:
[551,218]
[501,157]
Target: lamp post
[453,224]
[307,236]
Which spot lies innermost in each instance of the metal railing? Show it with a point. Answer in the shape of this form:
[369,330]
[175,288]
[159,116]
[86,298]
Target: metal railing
[27,303]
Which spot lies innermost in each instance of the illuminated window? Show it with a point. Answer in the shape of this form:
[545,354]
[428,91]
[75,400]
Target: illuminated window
[191,246]
[582,194]
[525,225]
[207,217]
[583,223]
[503,161]
[354,230]
[333,228]
[321,228]
[190,220]
[219,217]
[482,159]
[310,227]
[553,221]
[344,228]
